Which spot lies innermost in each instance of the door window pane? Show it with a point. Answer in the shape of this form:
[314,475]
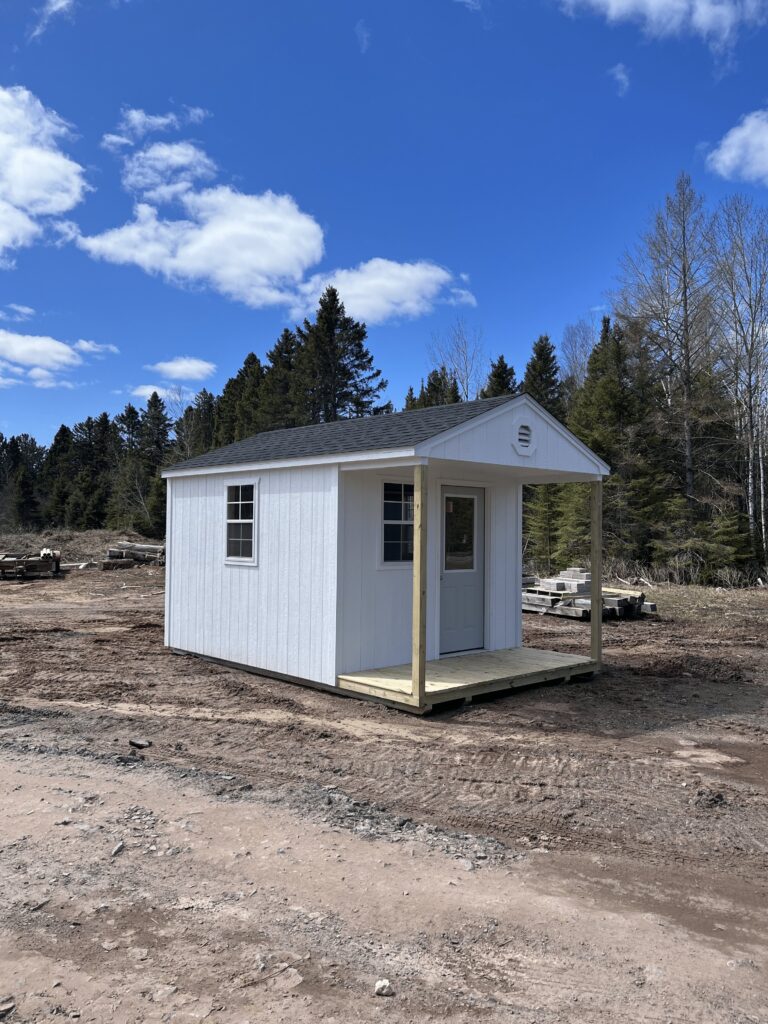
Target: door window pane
[459,533]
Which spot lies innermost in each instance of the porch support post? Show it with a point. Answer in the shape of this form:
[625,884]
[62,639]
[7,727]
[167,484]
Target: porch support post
[419,619]
[596,567]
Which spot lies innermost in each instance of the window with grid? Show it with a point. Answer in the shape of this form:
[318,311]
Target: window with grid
[398,522]
[240,521]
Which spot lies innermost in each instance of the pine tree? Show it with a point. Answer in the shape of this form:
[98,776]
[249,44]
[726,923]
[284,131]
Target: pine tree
[441,388]
[25,508]
[278,395]
[542,378]
[128,423]
[610,414]
[540,526]
[237,410]
[247,407]
[154,434]
[336,378]
[56,476]
[501,380]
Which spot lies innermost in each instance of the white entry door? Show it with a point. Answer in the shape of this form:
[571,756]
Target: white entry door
[462,570]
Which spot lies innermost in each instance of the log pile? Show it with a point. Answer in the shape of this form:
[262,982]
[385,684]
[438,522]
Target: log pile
[20,566]
[568,595]
[126,554]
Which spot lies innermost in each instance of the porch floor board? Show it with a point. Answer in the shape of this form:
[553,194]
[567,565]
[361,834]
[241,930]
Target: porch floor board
[466,675]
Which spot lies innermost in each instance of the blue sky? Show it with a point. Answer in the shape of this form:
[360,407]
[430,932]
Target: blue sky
[180,178]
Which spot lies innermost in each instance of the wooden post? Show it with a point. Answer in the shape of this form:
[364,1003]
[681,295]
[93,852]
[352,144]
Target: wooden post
[596,566]
[419,623]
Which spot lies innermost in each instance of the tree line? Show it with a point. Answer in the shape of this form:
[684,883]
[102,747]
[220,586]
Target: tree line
[671,391]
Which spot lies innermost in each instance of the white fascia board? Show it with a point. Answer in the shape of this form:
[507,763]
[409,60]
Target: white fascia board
[447,435]
[349,459]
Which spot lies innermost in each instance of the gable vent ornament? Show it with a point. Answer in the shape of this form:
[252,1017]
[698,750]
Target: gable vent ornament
[523,440]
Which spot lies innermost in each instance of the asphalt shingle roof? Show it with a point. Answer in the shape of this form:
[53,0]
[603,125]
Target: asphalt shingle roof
[344,437]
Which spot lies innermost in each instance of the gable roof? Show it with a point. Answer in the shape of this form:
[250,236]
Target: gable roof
[345,437]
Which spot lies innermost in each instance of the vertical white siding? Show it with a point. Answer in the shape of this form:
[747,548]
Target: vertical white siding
[278,615]
[374,600]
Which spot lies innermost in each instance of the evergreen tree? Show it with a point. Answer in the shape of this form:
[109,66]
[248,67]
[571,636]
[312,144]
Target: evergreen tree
[279,401]
[501,380]
[26,511]
[128,423]
[195,428]
[441,388]
[247,407]
[336,378]
[154,434]
[542,378]
[540,528]
[56,476]
[237,410]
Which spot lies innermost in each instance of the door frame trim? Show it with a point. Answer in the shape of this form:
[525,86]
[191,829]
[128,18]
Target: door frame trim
[478,485]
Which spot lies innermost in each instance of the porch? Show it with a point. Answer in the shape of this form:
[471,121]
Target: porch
[490,657]
[464,676]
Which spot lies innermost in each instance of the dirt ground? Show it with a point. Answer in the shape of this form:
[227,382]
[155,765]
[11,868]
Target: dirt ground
[590,852]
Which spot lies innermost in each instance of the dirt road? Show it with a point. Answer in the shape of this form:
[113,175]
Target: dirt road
[594,852]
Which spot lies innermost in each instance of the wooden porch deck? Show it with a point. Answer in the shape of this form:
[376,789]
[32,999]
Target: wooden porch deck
[464,676]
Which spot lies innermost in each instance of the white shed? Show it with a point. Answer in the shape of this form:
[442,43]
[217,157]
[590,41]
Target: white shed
[377,556]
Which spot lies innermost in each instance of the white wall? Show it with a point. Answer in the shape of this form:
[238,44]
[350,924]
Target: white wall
[279,614]
[374,622]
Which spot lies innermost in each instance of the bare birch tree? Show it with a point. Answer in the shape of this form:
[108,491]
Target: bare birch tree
[461,351]
[740,247]
[667,293]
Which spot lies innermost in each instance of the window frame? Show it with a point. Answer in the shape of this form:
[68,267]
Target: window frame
[400,564]
[253,559]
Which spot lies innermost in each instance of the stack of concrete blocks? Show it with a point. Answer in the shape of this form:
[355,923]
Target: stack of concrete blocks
[570,581]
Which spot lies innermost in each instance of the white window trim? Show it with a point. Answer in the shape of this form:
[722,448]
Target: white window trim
[253,561]
[407,566]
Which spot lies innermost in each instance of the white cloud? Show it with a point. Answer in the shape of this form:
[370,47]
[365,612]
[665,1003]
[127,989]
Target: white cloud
[135,123]
[183,368]
[380,289]
[146,391]
[114,143]
[461,297]
[742,153]
[253,248]
[44,378]
[95,348]
[164,170]
[40,360]
[37,180]
[32,350]
[716,21]
[471,5]
[256,249]
[16,313]
[50,9]
[620,74]
[363,36]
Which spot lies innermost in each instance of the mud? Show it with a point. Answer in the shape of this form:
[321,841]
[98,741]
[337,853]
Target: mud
[595,851]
